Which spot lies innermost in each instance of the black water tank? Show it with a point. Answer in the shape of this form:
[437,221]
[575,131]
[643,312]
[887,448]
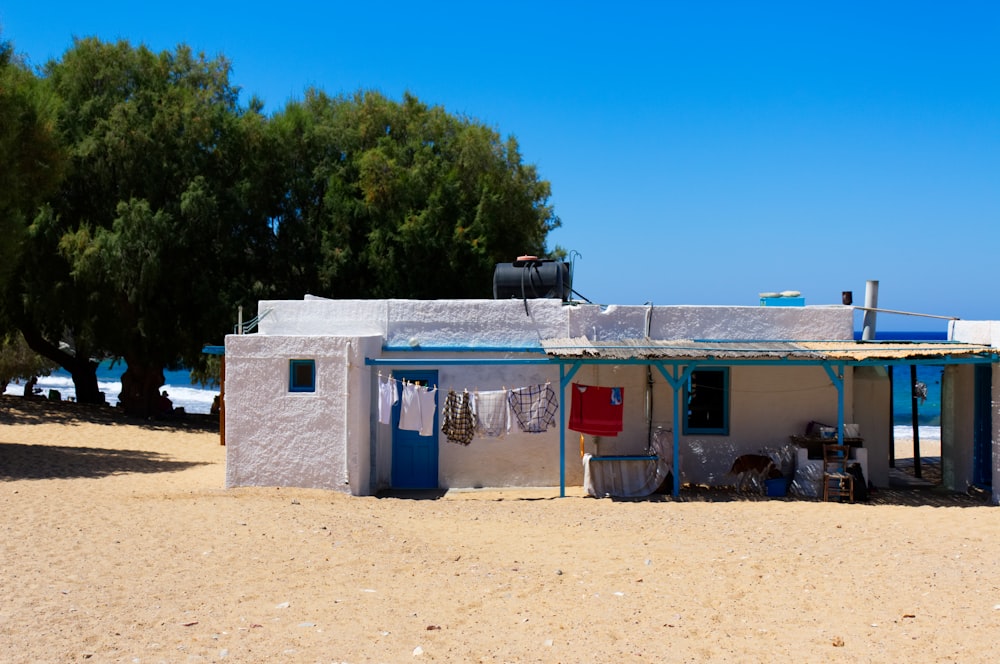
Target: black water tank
[530,278]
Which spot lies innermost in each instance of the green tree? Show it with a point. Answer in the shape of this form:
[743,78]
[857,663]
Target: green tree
[18,362]
[32,161]
[398,199]
[159,229]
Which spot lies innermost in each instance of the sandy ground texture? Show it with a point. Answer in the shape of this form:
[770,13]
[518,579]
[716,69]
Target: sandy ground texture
[120,545]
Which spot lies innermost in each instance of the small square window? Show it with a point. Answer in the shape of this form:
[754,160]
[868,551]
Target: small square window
[302,375]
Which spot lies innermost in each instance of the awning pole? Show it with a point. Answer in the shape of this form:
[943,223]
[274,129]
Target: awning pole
[676,383]
[562,431]
[678,396]
[837,377]
[564,380]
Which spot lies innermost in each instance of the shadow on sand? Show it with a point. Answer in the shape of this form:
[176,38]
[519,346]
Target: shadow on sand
[19,410]
[19,461]
[903,489]
[413,494]
[44,462]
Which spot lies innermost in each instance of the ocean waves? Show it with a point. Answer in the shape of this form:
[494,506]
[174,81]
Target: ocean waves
[191,398]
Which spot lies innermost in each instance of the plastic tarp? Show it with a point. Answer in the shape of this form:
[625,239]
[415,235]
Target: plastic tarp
[628,478]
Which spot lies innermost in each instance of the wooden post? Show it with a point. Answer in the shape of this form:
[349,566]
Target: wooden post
[892,420]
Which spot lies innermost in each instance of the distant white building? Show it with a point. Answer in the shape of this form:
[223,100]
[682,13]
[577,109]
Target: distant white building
[715,382]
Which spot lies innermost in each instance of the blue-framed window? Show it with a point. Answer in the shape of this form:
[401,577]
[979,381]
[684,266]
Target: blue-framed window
[707,397]
[302,375]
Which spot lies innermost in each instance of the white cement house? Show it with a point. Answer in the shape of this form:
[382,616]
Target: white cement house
[301,395]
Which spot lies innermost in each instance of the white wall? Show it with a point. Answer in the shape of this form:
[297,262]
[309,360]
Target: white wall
[871,408]
[957,426]
[975,331]
[330,439]
[425,323]
[505,322]
[712,322]
[275,437]
[768,404]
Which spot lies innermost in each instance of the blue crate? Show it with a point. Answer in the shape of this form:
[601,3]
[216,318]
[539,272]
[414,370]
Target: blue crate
[782,301]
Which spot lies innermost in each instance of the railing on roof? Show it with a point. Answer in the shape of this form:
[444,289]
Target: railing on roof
[250,325]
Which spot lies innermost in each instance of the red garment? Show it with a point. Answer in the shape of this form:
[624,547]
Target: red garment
[596,410]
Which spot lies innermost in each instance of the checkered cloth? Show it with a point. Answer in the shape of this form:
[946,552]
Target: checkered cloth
[459,424]
[492,412]
[534,407]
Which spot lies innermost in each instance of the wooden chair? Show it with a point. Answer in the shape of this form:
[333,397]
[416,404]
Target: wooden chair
[837,482]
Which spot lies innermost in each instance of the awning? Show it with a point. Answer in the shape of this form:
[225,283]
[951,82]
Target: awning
[694,350]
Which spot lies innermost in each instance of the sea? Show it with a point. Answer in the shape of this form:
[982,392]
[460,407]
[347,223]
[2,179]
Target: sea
[929,409]
[193,398]
[196,399]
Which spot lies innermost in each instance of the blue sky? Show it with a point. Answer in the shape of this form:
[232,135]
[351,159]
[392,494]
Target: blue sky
[699,152]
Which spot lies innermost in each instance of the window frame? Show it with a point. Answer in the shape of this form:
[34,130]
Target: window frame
[294,385]
[722,430]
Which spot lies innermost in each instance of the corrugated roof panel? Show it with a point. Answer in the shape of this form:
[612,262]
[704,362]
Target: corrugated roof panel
[680,349]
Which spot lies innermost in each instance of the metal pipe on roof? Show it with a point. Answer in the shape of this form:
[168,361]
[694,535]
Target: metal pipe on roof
[871,304]
[908,313]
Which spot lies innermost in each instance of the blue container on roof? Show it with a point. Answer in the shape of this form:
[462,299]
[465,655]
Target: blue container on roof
[782,301]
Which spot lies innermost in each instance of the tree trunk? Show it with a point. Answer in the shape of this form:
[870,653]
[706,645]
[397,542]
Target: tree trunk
[141,384]
[82,369]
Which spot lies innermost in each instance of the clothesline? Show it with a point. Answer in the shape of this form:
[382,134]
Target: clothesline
[403,381]
[594,410]
[487,413]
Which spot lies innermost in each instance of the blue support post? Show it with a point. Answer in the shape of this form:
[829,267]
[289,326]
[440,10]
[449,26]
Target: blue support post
[678,405]
[562,433]
[563,381]
[837,377]
[677,384]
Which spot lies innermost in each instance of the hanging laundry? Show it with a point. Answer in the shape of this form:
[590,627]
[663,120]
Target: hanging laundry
[459,425]
[388,395]
[428,402]
[596,410]
[416,412]
[534,407]
[409,409]
[492,412]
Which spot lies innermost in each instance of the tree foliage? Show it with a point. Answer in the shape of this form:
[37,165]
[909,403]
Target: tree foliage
[179,204]
[390,199]
[158,223]
[32,161]
[18,362]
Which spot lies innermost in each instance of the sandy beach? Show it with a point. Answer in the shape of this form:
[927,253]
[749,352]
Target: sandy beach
[120,544]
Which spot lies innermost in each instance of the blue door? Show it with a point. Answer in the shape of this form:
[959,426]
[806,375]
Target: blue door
[414,457]
[982,433]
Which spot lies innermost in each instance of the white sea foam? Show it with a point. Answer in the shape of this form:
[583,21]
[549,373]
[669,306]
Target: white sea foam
[926,432]
[189,397]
